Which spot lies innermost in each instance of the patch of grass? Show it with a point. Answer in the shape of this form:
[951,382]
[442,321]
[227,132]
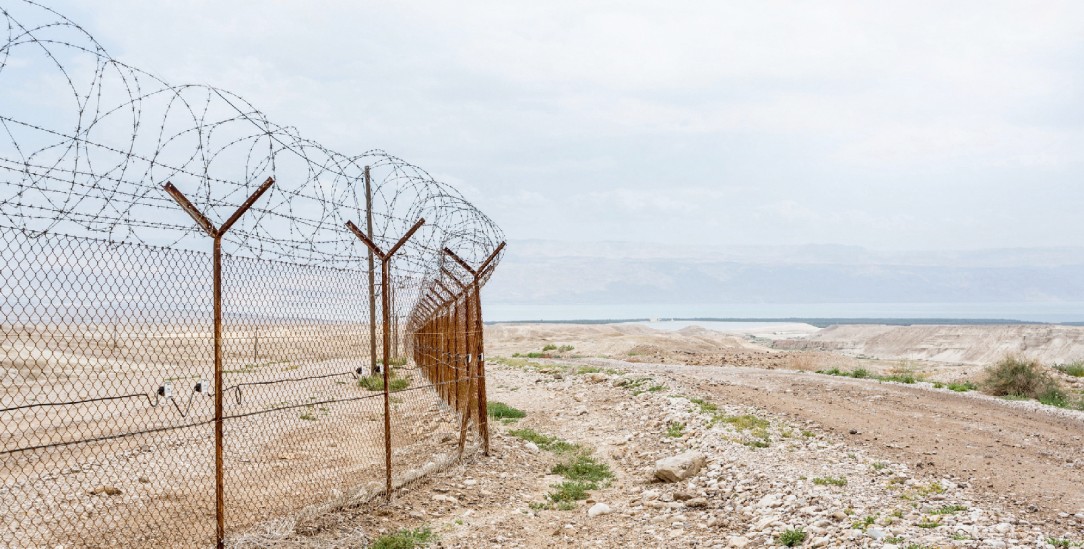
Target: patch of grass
[962,386]
[565,348]
[879,465]
[792,537]
[656,388]
[862,373]
[1076,369]
[894,540]
[584,468]
[931,488]
[1059,543]
[705,406]
[899,378]
[1019,377]
[938,385]
[307,416]
[549,347]
[744,422]
[569,491]
[375,382]
[830,481]
[808,434]
[864,523]
[588,370]
[928,524]
[500,410]
[405,539]
[675,429]
[546,442]
[948,510]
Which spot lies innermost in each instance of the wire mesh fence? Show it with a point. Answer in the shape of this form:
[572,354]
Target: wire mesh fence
[197,340]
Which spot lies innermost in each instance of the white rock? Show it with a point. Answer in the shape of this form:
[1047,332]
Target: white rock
[599,509]
[738,541]
[531,446]
[680,467]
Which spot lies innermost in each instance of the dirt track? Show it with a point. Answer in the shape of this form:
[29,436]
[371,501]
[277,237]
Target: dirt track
[1032,460]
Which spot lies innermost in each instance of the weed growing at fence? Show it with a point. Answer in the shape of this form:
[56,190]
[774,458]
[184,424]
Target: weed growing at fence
[545,442]
[500,410]
[375,382]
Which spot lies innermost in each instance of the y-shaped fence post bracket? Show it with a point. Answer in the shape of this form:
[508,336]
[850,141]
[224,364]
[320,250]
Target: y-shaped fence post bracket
[483,419]
[385,283]
[217,234]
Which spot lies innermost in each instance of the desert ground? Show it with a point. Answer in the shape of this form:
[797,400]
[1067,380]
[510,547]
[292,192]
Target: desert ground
[849,462]
[772,446]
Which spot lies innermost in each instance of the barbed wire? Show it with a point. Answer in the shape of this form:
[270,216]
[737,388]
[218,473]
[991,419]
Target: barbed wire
[87,143]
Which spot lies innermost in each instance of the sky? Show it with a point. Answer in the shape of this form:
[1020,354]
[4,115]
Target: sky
[889,125]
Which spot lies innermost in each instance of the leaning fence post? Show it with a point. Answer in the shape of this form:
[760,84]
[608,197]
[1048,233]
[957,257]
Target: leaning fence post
[217,234]
[385,277]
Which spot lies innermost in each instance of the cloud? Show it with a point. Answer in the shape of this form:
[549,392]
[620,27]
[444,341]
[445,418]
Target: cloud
[575,118]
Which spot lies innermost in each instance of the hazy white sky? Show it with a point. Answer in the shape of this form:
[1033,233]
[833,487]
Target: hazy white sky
[888,125]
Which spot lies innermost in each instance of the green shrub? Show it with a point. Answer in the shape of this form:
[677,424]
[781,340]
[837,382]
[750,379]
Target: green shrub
[584,468]
[1075,369]
[375,382]
[830,481]
[1017,377]
[549,347]
[792,537]
[500,410]
[962,386]
[675,429]
[569,491]
[405,539]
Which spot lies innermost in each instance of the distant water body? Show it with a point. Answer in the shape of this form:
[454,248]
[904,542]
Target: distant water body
[1055,312]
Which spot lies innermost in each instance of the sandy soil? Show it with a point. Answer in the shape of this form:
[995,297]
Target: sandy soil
[923,467]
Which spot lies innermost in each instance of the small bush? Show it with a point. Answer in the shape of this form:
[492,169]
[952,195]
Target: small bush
[500,410]
[792,537]
[1017,377]
[830,481]
[546,442]
[900,378]
[569,491]
[962,386]
[948,510]
[584,468]
[549,347]
[565,348]
[1075,369]
[675,429]
[405,539]
[375,382]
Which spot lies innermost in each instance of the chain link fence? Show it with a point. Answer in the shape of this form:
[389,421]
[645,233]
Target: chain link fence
[198,345]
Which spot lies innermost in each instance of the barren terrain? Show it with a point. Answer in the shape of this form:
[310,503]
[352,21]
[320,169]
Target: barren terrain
[850,462]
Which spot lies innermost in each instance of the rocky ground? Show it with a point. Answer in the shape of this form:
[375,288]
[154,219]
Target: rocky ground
[767,473]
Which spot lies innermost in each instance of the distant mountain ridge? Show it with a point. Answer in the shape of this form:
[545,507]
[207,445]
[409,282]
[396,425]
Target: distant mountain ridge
[549,272]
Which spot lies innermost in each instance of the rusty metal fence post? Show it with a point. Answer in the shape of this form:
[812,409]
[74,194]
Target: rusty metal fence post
[216,234]
[385,277]
[480,369]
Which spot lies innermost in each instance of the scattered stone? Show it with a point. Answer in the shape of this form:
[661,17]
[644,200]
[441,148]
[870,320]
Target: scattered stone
[680,467]
[599,509]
